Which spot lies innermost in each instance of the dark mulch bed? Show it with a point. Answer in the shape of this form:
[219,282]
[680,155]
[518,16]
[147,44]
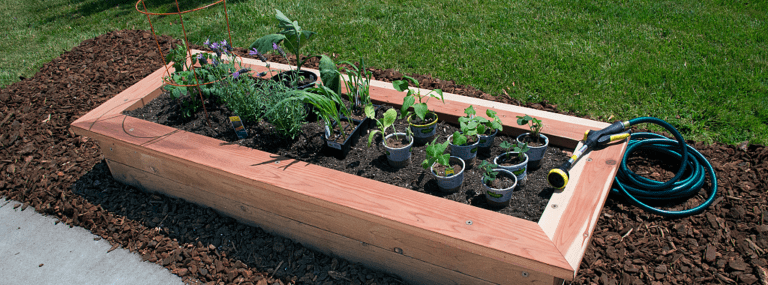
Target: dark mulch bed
[45,166]
[528,202]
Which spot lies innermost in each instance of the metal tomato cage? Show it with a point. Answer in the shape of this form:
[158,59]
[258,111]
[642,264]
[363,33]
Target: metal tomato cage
[168,79]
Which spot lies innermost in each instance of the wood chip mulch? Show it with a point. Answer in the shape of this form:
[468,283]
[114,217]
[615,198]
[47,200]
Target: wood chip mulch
[45,166]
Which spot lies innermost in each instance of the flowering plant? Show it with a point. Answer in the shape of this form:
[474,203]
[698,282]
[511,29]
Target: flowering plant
[204,81]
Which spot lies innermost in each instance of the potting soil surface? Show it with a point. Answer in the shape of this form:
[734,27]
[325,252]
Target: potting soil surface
[43,165]
[528,201]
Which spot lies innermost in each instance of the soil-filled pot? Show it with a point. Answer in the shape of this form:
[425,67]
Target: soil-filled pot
[287,78]
[486,141]
[520,169]
[332,139]
[398,157]
[423,133]
[500,197]
[452,182]
[535,153]
[466,152]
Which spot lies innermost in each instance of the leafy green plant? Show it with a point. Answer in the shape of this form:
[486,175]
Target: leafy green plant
[468,125]
[520,148]
[388,121]
[420,109]
[436,153]
[327,105]
[489,175]
[492,123]
[533,124]
[291,36]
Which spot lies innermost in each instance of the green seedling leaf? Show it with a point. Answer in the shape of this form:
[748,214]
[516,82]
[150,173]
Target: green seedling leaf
[370,112]
[459,139]
[407,103]
[264,44]
[421,110]
[329,74]
[470,111]
[400,85]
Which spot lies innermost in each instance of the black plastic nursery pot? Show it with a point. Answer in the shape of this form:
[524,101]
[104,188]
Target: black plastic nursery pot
[341,150]
[287,77]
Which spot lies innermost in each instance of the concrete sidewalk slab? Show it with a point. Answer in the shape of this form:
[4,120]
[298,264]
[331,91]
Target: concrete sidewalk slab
[34,250]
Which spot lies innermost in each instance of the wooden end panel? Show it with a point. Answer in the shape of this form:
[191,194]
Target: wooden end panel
[575,225]
[412,270]
[125,99]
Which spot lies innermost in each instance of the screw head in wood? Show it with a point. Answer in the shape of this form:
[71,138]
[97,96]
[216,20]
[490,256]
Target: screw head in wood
[525,274]
[469,222]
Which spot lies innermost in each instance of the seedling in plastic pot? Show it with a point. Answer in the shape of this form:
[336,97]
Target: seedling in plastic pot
[388,121]
[519,147]
[533,124]
[420,109]
[489,175]
[435,153]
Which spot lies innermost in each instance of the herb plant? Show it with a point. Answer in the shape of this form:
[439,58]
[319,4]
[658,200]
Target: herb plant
[291,36]
[435,153]
[204,81]
[519,147]
[420,109]
[489,175]
[388,121]
[533,124]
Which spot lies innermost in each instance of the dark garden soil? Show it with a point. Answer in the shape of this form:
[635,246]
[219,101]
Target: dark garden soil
[43,165]
[528,202]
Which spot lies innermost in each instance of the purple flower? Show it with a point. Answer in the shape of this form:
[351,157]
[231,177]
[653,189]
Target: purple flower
[236,74]
[278,49]
[207,42]
[257,53]
[214,46]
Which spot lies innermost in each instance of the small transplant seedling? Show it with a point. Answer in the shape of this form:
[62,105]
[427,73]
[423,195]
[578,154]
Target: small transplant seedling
[533,124]
[489,175]
[388,121]
[291,36]
[436,153]
[519,147]
[468,125]
[493,122]
[420,109]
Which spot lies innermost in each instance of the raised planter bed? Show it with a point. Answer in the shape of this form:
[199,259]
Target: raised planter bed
[422,238]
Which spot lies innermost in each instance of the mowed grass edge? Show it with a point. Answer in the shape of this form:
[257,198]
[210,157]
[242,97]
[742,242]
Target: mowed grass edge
[700,65]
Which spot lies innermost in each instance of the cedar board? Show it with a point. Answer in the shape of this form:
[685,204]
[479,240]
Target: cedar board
[422,238]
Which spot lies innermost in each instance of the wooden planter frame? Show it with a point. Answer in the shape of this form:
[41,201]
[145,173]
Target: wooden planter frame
[422,238]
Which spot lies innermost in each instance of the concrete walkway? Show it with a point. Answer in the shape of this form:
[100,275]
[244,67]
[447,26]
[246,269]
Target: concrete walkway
[34,250]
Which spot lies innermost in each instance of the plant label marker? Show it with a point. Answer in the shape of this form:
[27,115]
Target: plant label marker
[237,125]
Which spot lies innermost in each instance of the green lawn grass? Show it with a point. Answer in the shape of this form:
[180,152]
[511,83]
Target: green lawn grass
[701,65]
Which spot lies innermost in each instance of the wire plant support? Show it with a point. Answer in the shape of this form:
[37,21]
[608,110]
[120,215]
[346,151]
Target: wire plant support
[168,79]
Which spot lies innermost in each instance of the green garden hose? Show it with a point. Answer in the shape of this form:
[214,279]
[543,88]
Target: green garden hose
[641,190]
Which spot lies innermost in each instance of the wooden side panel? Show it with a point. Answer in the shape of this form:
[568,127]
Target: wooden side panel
[412,270]
[229,194]
[439,232]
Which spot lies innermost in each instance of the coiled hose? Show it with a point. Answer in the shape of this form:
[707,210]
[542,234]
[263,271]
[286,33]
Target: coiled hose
[639,189]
